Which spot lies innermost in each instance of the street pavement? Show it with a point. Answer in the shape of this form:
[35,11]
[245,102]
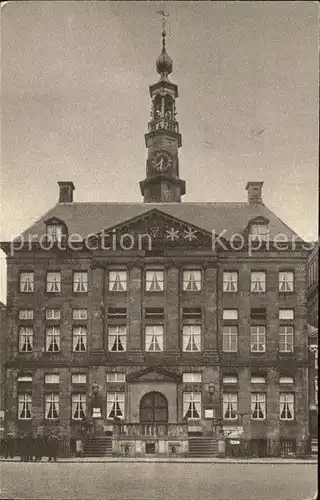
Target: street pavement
[157,481]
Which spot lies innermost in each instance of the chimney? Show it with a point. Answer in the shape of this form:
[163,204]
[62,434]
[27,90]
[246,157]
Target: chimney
[254,189]
[66,189]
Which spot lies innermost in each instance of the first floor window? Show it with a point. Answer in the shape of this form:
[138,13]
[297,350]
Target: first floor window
[78,406]
[191,338]
[192,405]
[79,378]
[258,406]
[26,314]
[192,280]
[79,338]
[115,405]
[53,339]
[27,282]
[80,282]
[192,377]
[258,339]
[154,338]
[52,406]
[286,281]
[25,339]
[154,281]
[51,378]
[230,338]
[230,281]
[24,406]
[117,338]
[258,282]
[286,338]
[53,282]
[117,281]
[79,314]
[286,406]
[230,406]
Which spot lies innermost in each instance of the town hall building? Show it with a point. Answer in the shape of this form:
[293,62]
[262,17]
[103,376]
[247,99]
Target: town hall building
[170,328]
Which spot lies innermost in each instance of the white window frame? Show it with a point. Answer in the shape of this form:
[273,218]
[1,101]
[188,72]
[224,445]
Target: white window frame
[27,282]
[78,406]
[154,280]
[52,378]
[230,405]
[230,338]
[116,377]
[284,379]
[26,314]
[258,379]
[260,232]
[52,404]
[192,281]
[117,280]
[78,378]
[53,282]
[286,281]
[192,377]
[258,283]
[55,232]
[258,404]
[79,338]
[53,333]
[80,314]
[192,403]
[230,281]
[117,335]
[80,282]
[229,379]
[286,314]
[286,338]
[258,338]
[116,403]
[154,335]
[25,339]
[287,402]
[191,335]
[230,314]
[24,406]
[53,314]
[24,378]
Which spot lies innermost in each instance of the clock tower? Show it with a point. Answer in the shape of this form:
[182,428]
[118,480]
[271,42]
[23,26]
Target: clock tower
[163,140]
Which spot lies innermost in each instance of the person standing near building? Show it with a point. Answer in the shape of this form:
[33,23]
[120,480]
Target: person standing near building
[9,446]
[38,447]
[53,447]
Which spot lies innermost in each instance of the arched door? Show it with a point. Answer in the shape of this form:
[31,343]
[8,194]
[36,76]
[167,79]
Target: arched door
[154,408]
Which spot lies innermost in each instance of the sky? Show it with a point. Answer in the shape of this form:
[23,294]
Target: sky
[75,103]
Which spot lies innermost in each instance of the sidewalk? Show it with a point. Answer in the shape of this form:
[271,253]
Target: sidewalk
[210,460]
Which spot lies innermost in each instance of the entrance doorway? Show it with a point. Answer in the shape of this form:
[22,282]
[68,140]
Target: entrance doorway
[154,409]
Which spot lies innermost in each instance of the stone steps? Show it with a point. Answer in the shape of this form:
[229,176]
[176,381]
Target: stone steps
[98,447]
[203,447]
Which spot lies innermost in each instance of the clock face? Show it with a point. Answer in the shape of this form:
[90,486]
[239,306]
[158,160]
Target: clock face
[161,161]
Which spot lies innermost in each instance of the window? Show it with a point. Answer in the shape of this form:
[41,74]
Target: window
[53,339]
[79,338]
[191,338]
[192,280]
[25,378]
[286,314]
[24,406]
[116,377]
[191,377]
[117,313]
[258,406]
[284,379]
[154,313]
[117,338]
[192,405]
[80,282]
[79,314]
[287,447]
[258,282]
[53,314]
[230,405]
[154,338]
[230,281]
[154,281]
[51,378]
[25,339]
[79,378]
[230,379]
[230,314]
[258,339]
[26,314]
[54,282]
[258,313]
[286,281]
[54,231]
[286,338]
[78,406]
[230,338]
[258,379]
[286,406]
[194,313]
[115,405]
[27,282]
[51,406]
[260,232]
[117,281]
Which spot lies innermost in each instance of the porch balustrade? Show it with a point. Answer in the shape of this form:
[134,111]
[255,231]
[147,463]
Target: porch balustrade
[150,430]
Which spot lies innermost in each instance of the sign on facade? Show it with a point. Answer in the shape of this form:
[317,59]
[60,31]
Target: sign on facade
[233,432]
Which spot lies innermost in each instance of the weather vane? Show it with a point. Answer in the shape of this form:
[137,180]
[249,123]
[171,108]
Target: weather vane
[163,14]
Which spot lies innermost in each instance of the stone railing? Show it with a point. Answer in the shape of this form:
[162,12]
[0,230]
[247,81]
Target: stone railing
[164,124]
[140,430]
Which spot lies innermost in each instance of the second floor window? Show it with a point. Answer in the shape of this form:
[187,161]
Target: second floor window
[24,406]
[117,338]
[286,406]
[230,338]
[154,281]
[258,339]
[53,282]
[258,282]
[53,339]
[192,405]
[79,339]
[230,281]
[117,281]
[25,339]
[80,282]
[154,338]
[192,280]
[115,405]
[258,406]
[286,338]
[230,405]
[78,406]
[191,335]
[52,406]
[27,282]
[286,281]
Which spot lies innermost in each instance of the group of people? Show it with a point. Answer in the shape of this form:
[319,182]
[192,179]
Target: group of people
[32,447]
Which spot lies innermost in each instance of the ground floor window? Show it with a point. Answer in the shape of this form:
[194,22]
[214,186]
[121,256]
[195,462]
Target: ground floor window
[52,406]
[115,405]
[25,403]
[287,447]
[192,405]
[78,406]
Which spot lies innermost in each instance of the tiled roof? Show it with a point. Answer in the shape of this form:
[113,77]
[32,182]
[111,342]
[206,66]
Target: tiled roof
[88,218]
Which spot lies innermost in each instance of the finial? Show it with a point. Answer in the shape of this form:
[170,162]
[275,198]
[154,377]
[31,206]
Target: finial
[164,62]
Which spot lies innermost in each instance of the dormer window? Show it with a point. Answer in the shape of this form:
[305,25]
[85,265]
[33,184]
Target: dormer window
[54,231]
[260,232]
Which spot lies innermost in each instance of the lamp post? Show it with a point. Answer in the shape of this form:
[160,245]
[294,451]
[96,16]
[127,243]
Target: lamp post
[215,422]
[211,392]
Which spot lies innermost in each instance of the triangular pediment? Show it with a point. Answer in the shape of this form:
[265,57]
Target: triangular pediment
[155,375]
